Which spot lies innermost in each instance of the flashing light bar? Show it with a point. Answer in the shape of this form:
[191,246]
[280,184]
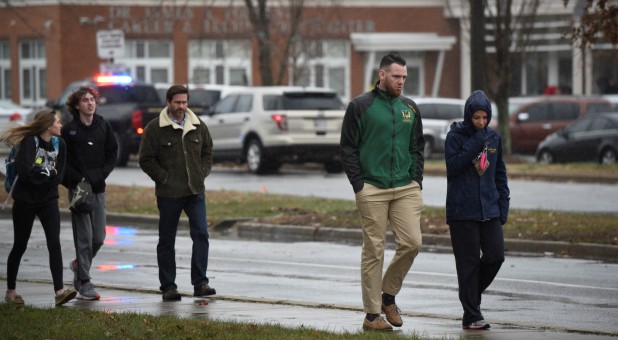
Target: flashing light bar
[113,79]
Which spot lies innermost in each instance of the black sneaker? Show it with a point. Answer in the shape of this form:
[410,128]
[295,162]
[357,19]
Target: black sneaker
[481,324]
[203,290]
[171,295]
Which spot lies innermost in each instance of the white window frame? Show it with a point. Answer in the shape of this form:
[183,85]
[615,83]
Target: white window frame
[5,65]
[131,61]
[208,60]
[35,64]
[327,62]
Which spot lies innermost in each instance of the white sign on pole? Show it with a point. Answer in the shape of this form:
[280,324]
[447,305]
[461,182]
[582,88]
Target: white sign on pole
[110,43]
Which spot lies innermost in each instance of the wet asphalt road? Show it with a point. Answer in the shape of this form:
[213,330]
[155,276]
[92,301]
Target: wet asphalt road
[559,294]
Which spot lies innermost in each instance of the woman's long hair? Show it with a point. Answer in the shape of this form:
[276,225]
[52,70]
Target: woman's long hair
[42,120]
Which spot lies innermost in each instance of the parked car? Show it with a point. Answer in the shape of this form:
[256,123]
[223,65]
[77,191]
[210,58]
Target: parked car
[538,118]
[127,105]
[613,98]
[437,114]
[202,97]
[590,138]
[268,126]
[11,114]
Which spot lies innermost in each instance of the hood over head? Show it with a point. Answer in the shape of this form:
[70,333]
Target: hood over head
[477,101]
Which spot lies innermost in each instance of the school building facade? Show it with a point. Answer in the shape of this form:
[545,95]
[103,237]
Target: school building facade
[46,44]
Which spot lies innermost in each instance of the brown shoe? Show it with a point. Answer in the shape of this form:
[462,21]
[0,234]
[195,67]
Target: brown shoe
[392,315]
[378,324]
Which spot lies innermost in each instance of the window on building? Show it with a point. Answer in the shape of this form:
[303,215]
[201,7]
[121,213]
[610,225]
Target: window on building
[5,70]
[323,63]
[33,73]
[226,62]
[148,60]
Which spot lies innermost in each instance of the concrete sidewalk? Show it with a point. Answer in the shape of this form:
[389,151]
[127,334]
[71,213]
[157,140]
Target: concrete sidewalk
[338,319]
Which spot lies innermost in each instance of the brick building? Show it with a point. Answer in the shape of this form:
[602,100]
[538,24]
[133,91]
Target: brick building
[46,44]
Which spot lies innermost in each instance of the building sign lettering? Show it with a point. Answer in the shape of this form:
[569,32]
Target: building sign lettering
[164,19]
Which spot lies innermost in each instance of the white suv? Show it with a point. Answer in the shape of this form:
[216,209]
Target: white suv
[268,126]
[437,115]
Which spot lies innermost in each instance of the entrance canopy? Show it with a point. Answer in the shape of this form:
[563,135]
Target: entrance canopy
[384,42]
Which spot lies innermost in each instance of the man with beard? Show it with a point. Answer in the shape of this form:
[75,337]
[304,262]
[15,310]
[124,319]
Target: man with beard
[176,152]
[382,150]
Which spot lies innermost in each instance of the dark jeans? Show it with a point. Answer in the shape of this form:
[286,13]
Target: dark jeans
[23,219]
[170,209]
[475,272]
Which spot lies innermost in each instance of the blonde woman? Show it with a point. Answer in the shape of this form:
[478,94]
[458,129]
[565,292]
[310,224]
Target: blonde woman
[40,163]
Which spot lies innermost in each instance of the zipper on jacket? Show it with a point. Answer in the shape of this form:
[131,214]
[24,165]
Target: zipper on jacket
[394,130]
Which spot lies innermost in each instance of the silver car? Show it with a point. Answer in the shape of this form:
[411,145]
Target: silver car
[437,115]
[268,126]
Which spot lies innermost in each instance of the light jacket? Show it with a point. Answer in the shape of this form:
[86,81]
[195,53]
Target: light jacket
[382,141]
[471,196]
[177,159]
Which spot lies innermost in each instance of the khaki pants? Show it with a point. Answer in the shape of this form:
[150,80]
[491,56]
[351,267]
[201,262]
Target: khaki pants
[377,207]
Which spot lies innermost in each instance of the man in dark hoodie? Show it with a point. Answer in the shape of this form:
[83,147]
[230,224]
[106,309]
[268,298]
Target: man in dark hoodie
[91,157]
[477,204]
[382,150]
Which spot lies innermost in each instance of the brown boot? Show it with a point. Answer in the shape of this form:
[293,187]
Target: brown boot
[392,315]
[378,324]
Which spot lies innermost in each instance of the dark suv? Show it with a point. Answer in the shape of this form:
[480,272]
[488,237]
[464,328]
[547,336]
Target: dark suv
[539,117]
[128,106]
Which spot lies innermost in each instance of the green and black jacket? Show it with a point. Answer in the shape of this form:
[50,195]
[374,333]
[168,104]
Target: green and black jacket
[382,141]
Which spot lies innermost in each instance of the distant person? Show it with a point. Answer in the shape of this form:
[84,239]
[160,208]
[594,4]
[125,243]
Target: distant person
[40,164]
[92,151]
[176,152]
[477,204]
[382,149]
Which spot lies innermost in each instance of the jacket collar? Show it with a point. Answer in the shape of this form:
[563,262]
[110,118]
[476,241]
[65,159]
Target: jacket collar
[191,120]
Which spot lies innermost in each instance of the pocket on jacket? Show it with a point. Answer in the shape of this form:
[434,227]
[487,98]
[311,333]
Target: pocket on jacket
[168,150]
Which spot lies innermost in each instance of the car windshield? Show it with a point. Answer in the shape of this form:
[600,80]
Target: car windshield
[303,101]
[128,94]
[204,98]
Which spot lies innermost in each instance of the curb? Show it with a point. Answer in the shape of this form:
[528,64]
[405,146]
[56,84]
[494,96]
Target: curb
[245,228]
[431,242]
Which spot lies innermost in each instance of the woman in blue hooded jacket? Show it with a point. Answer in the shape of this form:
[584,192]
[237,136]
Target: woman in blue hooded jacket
[477,204]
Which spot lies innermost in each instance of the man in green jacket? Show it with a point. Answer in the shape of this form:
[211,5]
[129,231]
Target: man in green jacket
[382,150]
[176,152]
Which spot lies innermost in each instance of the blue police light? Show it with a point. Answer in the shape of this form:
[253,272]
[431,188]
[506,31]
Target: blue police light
[107,79]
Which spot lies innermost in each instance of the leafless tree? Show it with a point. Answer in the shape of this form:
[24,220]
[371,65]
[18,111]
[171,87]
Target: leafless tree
[509,27]
[260,18]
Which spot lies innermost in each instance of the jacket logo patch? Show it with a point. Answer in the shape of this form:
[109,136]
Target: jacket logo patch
[492,150]
[406,116]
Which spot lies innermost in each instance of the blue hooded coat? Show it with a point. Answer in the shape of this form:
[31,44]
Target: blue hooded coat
[471,196]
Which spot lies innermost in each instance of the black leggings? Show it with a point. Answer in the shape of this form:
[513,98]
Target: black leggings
[23,219]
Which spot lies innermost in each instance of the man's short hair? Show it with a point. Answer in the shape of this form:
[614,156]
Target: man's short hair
[174,90]
[392,58]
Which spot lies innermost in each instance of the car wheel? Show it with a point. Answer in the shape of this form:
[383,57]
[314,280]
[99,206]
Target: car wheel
[428,151]
[608,156]
[122,157]
[333,167]
[256,161]
[545,157]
